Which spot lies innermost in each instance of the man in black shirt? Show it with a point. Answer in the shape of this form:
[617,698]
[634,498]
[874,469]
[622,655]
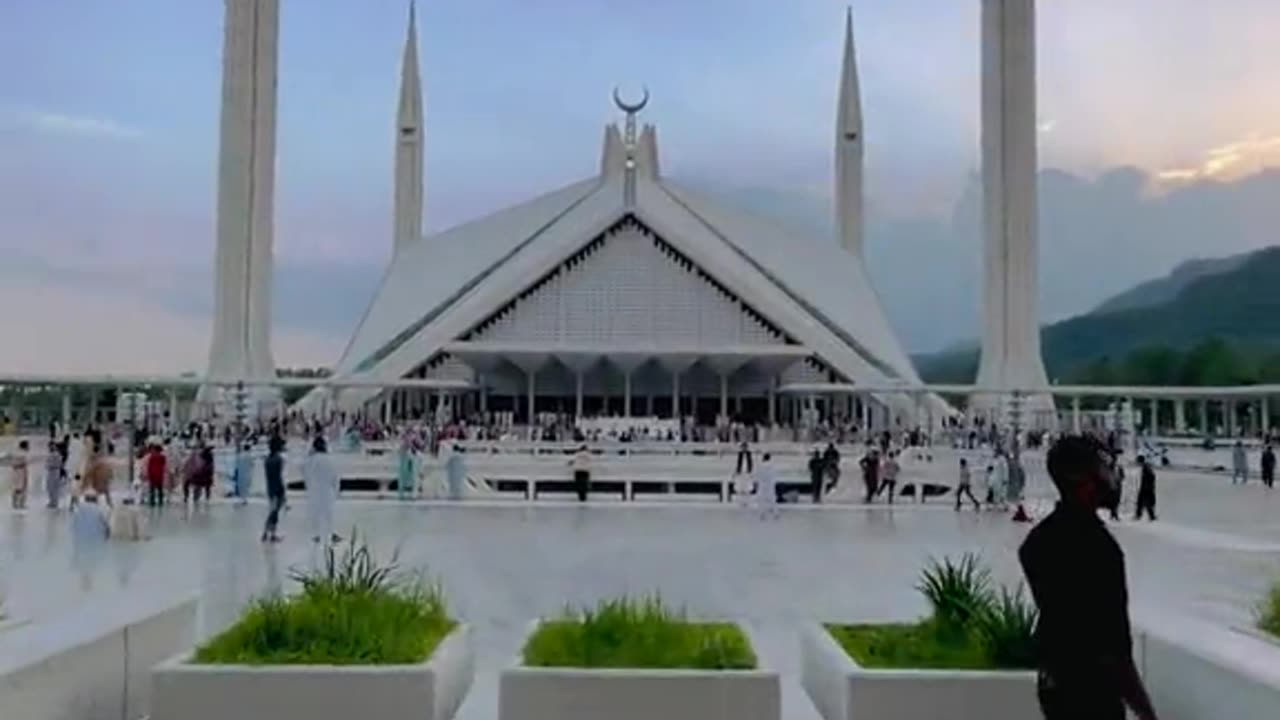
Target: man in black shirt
[273,466]
[1146,490]
[1076,572]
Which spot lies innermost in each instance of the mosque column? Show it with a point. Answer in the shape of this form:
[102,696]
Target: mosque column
[533,390]
[1155,417]
[772,399]
[1264,415]
[93,405]
[483,384]
[66,408]
[626,394]
[724,396]
[1075,414]
[1180,416]
[675,395]
[578,381]
[1229,407]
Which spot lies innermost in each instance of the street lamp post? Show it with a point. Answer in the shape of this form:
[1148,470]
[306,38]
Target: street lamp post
[129,424]
[240,405]
[1015,426]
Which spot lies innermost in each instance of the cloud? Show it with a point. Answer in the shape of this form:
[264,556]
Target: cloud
[86,126]
[1229,161]
[1098,236]
[67,330]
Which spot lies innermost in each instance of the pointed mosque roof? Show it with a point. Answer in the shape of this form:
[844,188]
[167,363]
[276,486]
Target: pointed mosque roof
[438,289]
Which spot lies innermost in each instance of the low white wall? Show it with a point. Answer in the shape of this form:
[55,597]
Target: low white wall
[527,693]
[1195,671]
[432,690]
[841,690]
[94,663]
[567,694]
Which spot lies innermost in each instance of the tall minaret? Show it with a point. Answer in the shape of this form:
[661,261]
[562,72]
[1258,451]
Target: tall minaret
[849,153]
[408,182]
[241,346]
[1011,337]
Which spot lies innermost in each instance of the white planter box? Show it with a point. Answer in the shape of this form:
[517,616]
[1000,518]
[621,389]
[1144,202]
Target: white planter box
[432,690]
[93,662]
[1196,671]
[580,694]
[842,690]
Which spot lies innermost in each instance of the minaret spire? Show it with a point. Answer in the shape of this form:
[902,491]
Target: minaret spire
[409,145]
[241,343]
[849,148]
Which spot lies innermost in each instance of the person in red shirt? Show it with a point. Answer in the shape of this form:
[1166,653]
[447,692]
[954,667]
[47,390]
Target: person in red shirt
[156,473]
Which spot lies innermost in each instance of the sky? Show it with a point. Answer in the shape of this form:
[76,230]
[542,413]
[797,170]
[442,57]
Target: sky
[1159,122]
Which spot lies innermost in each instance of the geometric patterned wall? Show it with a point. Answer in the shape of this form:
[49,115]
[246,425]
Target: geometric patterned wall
[629,288]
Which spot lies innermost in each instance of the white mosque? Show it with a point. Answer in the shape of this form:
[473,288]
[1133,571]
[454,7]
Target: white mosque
[623,294]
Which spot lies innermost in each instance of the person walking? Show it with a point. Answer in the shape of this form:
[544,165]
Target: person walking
[1076,572]
[1118,477]
[156,471]
[455,469]
[97,472]
[889,470]
[965,488]
[406,471]
[1146,490]
[19,475]
[744,464]
[817,475]
[998,482]
[1269,467]
[273,468]
[831,462]
[242,478]
[581,465]
[870,465]
[321,479]
[1239,464]
[191,475]
[90,530]
[55,474]
[767,487]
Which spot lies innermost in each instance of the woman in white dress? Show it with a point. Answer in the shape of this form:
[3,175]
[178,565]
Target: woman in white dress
[767,487]
[321,480]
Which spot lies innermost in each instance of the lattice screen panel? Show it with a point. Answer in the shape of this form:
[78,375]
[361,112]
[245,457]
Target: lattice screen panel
[628,288]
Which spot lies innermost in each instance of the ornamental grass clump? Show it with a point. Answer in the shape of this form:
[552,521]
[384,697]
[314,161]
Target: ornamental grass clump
[637,633]
[1269,612]
[972,626]
[353,610]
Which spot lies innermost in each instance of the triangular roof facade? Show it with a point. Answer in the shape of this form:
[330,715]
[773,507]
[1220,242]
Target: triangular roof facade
[442,287]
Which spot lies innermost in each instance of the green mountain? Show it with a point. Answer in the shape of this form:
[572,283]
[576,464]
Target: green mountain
[1221,325]
[1165,289]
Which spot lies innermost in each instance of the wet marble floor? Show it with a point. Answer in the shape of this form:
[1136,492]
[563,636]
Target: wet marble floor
[503,564]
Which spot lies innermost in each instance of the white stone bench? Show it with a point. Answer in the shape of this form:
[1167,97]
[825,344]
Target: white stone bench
[94,662]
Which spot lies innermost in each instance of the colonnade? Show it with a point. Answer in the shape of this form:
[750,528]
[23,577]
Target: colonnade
[1194,413]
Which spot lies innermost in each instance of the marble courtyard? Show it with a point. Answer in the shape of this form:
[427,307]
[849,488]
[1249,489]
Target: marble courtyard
[504,563]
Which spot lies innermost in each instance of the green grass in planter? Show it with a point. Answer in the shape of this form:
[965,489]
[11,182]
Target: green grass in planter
[1269,612]
[641,634]
[972,626]
[918,646]
[353,611]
